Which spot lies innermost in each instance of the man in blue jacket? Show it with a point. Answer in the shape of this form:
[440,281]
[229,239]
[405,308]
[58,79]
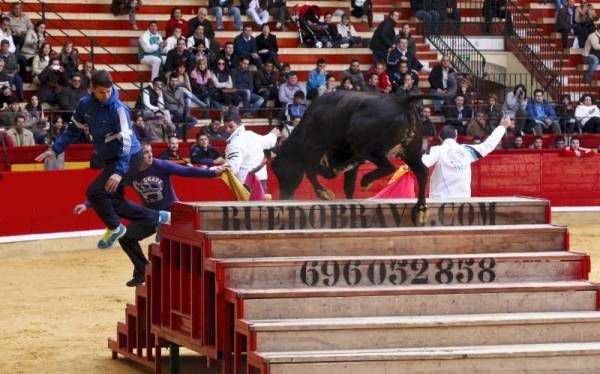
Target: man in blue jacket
[108,121]
[152,182]
[541,114]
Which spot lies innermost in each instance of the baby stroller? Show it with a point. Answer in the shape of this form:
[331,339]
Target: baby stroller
[311,31]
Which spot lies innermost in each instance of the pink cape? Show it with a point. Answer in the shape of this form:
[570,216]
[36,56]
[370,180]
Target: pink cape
[402,186]
[256,191]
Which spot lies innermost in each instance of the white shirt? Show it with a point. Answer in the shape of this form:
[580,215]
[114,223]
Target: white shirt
[452,174]
[583,113]
[244,152]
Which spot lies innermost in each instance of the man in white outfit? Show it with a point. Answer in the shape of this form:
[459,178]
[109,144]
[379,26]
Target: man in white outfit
[150,48]
[452,174]
[244,150]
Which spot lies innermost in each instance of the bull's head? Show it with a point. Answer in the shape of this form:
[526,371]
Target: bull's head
[288,168]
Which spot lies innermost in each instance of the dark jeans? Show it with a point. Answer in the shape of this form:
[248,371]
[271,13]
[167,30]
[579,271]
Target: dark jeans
[592,125]
[110,206]
[130,243]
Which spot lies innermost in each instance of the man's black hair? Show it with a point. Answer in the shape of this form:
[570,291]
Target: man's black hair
[448,132]
[101,78]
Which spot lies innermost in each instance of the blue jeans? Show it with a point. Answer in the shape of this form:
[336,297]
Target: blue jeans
[428,16]
[251,101]
[233,11]
[592,62]
[18,82]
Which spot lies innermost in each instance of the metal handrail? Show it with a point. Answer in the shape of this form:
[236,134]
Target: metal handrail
[92,41]
[535,49]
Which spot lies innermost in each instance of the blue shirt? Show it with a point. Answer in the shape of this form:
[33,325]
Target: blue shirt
[154,185]
[109,124]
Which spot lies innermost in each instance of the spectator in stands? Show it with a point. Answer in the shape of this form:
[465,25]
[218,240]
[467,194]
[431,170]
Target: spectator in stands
[279,10]
[449,11]
[565,111]
[591,55]
[565,22]
[575,150]
[200,83]
[184,82]
[9,80]
[225,94]
[585,17]
[559,143]
[408,87]
[329,86]
[465,89]
[354,73]
[517,142]
[245,46]
[40,61]
[402,53]
[372,83]
[493,112]
[141,129]
[69,97]
[201,19]
[52,81]
[6,33]
[428,127]
[347,85]
[34,39]
[177,20]
[244,84]
[55,130]
[458,115]
[334,37]
[257,11]
[383,80]
[383,37]
[203,151]
[176,103]
[69,59]
[438,80]
[266,44]
[198,37]
[34,113]
[160,129]
[153,100]
[20,135]
[397,77]
[347,33]
[228,55]
[220,7]
[204,53]
[5,96]
[8,115]
[362,8]
[289,88]
[542,115]
[316,79]
[298,107]
[515,106]
[11,67]
[86,75]
[588,115]
[265,82]
[493,9]
[172,153]
[214,131]
[478,126]
[405,33]
[171,41]
[538,143]
[426,13]
[179,56]
[19,24]
[150,47]
[5,139]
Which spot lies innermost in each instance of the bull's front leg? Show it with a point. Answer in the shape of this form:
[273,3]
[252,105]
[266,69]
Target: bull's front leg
[419,211]
[322,192]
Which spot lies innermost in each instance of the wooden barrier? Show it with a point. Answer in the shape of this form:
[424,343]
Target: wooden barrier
[229,278]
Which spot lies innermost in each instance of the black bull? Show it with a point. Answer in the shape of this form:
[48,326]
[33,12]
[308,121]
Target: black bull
[343,129]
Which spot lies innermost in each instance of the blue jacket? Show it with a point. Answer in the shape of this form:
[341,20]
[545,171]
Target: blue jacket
[242,47]
[315,79]
[547,108]
[110,126]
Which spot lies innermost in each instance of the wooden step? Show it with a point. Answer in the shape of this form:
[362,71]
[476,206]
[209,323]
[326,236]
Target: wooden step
[414,300]
[340,214]
[420,331]
[517,358]
[387,241]
[402,271]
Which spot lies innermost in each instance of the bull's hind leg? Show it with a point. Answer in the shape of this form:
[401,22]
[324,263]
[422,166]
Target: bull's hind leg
[350,182]
[322,192]
[419,211]
[384,168]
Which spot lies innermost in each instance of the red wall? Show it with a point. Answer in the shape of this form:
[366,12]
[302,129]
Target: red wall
[41,202]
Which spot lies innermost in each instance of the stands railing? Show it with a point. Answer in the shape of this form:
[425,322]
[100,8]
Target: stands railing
[45,9]
[538,53]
